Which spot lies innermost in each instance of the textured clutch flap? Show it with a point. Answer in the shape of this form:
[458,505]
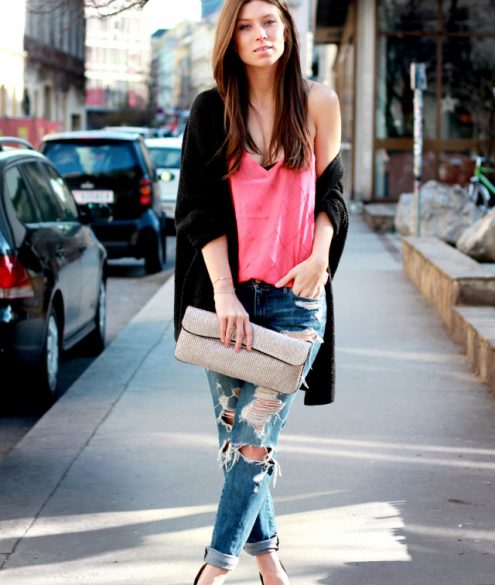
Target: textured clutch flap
[271,343]
[276,360]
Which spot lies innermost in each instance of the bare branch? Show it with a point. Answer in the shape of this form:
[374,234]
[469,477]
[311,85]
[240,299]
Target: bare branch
[104,8]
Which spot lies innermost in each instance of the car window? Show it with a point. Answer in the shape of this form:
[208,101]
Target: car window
[93,159]
[44,196]
[147,158]
[65,197]
[19,195]
[165,158]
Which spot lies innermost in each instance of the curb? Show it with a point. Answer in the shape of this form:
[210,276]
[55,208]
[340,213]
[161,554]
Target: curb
[37,465]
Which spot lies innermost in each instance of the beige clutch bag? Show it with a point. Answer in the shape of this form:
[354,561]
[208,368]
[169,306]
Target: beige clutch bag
[276,361]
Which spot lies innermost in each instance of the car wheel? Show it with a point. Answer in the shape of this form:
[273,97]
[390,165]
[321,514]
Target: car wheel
[96,339]
[49,364]
[154,259]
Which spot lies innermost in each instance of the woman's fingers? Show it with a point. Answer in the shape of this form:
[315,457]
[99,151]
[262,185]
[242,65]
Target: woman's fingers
[234,322]
[288,277]
[241,328]
[237,330]
[310,293]
[249,335]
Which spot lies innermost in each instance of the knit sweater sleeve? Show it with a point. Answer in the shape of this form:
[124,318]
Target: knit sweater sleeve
[330,199]
[200,214]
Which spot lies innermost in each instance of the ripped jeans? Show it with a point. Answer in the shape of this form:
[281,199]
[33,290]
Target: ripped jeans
[252,415]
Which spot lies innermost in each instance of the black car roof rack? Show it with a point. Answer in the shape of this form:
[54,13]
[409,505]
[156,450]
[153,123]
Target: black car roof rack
[15,140]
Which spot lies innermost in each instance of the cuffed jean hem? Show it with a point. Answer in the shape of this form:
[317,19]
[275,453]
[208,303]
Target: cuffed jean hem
[220,560]
[262,547]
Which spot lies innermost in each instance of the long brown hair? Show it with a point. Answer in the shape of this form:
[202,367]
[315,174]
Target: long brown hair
[290,128]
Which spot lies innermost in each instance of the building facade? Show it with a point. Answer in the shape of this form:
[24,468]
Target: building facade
[377,42]
[118,61]
[42,67]
[182,64]
[202,40]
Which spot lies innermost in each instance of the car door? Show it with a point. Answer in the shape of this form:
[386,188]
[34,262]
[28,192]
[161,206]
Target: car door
[87,243]
[61,241]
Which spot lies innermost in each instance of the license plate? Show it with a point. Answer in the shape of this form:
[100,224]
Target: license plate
[90,196]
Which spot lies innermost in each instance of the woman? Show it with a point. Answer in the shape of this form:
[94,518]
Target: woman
[259,203]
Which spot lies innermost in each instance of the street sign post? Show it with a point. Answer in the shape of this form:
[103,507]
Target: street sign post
[418,84]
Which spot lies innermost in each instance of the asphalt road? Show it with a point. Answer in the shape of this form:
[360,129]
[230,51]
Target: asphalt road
[128,290]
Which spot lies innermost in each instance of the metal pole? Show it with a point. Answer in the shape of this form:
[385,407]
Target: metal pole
[418,84]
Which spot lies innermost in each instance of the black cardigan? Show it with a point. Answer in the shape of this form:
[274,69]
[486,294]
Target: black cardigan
[205,211]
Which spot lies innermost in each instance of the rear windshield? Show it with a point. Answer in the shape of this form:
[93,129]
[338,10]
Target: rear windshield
[165,158]
[93,158]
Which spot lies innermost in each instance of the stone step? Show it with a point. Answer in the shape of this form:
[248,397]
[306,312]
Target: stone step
[380,216]
[462,291]
[475,329]
[446,277]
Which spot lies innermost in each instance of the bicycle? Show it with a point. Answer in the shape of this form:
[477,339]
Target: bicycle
[481,189]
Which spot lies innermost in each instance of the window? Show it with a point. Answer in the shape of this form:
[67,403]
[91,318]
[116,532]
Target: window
[165,158]
[95,158]
[64,196]
[394,114]
[19,195]
[468,79]
[47,102]
[456,41]
[44,196]
[408,15]
[468,15]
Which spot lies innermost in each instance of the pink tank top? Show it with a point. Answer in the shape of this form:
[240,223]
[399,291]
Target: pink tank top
[274,210]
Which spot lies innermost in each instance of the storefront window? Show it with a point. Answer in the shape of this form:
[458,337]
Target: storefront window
[394,171]
[458,38]
[394,114]
[468,86]
[408,15]
[468,15]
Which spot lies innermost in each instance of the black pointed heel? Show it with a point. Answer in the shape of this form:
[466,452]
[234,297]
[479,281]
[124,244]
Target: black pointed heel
[199,574]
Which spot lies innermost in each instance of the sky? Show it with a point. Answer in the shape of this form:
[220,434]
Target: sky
[168,13]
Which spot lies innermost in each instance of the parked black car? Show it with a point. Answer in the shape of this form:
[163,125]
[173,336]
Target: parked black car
[115,169]
[52,269]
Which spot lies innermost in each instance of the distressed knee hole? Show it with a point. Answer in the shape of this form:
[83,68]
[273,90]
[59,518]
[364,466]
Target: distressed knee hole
[228,417]
[254,453]
[262,408]
[260,457]
[228,405]
[306,335]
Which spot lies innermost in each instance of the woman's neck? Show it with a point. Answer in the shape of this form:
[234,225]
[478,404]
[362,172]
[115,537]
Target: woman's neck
[261,87]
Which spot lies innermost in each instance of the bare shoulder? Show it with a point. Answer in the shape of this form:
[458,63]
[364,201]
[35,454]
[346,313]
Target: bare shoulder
[324,115]
[320,97]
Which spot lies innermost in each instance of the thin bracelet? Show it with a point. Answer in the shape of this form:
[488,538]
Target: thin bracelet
[222,278]
[224,292]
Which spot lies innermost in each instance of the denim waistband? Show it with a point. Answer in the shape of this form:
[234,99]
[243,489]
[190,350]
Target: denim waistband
[254,282]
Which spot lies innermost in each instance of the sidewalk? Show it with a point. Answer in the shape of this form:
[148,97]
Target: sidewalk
[392,485]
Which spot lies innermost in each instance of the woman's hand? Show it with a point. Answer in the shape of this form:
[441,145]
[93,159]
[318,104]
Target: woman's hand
[233,318]
[309,278]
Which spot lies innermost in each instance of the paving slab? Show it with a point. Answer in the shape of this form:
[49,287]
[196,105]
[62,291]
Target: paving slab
[393,484]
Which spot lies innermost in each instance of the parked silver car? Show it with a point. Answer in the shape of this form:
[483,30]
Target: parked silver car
[166,153]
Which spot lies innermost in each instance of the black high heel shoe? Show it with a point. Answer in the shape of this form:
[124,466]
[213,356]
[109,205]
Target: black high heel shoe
[199,574]
[281,564]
